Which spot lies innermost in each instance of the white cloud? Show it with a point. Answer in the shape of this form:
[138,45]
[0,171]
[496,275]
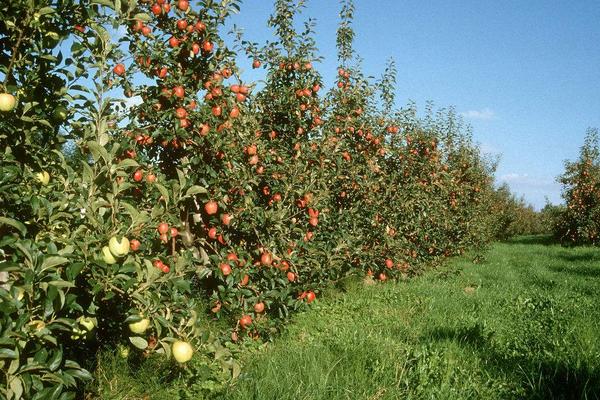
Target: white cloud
[514,177]
[483,114]
[132,101]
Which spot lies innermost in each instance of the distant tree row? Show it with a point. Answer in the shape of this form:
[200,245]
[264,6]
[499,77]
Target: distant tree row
[578,222]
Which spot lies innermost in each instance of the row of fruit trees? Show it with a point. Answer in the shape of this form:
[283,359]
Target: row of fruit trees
[146,189]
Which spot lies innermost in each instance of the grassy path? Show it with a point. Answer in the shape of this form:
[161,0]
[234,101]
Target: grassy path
[524,324]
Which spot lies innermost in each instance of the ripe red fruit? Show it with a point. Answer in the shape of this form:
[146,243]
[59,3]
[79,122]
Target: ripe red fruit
[245,280]
[256,64]
[251,150]
[162,73]
[216,110]
[200,27]
[119,69]
[245,321]
[382,277]
[181,113]
[310,297]
[207,46]
[291,276]
[314,221]
[179,91]
[266,258]
[211,207]
[166,8]
[204,129]
[165,268]
[156,9]
[174,42]
[146,31]
[195,48]
[226,219]
[163,228]
[276,197]
[240,97]
[182,24]
[225,269]
[235,112]
[184,123]
[389,263]
[259,307]
[138,175]
[134,245]
[183,5]
[212,233]
[174,232]
[158,264]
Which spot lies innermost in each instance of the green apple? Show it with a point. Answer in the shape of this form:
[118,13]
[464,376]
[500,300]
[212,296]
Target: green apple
[7,102]
[59,114]
[77,334]
[43,177]
[87,322]
[182,351]
[118,248]
[107,256]
[140,326]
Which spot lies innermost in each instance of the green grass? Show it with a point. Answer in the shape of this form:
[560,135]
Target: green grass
[523,324]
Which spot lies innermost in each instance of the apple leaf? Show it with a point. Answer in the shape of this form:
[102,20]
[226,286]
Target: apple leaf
[195,190]
[138,342]
[15,224]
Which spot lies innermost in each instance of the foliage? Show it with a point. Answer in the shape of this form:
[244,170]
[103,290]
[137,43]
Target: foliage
[579,223]
[514,217]
[147,190]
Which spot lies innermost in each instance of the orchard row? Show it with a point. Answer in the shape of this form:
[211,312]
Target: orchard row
[147,189]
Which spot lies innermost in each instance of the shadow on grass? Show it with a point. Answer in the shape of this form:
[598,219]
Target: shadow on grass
[544,240]
[587,271]
[540,377]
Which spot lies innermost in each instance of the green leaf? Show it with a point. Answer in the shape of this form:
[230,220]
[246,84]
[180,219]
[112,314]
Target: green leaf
[98,151]
[15,224]
[15,388]
[128,163]
[55,360]
[53,261]
[106,3]
[195,190]
[46,10]
[143,17]
[8,353]
[138,342]
[163,191]
[61,284]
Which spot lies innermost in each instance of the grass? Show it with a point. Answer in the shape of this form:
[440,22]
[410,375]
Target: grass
[523,324]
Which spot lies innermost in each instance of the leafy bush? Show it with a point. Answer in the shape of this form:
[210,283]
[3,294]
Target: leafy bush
[147,190]
[579,222]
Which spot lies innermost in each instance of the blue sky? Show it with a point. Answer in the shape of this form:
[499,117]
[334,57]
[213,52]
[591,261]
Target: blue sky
[524,74]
